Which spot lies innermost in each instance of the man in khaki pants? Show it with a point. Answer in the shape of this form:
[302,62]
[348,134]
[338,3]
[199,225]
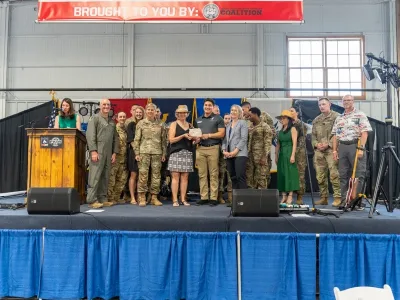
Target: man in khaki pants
[207,155]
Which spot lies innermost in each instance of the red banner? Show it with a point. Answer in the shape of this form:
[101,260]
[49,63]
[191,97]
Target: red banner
[222,11]
[125,105]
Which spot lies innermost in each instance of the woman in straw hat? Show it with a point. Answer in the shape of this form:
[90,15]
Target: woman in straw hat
[180,162]
[288,175]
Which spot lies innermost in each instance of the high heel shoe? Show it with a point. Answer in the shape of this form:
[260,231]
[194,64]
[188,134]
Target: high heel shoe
[284,198]
[289,199]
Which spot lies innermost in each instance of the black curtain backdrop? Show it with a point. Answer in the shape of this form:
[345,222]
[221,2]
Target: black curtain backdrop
[14,146]
[376,140]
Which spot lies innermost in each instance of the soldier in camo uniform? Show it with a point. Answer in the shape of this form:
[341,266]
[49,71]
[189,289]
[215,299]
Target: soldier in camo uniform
[150,150]
[259,147]
[119,171]
[265,118]
[223,171]
[323,156]
[301,159]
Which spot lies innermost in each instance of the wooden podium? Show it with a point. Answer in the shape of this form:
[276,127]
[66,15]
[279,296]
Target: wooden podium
[56,158]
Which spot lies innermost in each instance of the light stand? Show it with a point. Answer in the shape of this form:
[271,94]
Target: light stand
[388,154]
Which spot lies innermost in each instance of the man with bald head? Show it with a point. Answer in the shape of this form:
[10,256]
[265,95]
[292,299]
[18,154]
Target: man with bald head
[103,143]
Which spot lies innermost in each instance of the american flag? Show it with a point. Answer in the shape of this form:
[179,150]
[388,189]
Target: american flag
[53,115]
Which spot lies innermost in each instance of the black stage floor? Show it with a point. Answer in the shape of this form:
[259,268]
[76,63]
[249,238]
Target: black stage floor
[199,218]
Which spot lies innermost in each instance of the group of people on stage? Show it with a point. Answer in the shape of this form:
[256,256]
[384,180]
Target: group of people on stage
[236,146]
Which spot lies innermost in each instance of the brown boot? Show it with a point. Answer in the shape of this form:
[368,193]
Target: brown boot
[322,201]
[336,201]
[142,199]
[299,199]
[155,201]
[221,198]
[96,204]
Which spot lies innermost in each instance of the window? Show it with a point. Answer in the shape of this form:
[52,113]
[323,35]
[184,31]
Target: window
[325,63]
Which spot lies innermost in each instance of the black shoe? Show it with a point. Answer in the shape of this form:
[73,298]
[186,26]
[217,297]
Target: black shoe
[213,202]
[201,202]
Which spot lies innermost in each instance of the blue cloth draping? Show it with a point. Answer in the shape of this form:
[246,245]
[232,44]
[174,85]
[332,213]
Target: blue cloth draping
[278,266]
[19,262]
[169,105]
[350,260]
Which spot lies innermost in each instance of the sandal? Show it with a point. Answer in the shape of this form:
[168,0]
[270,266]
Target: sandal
[133,202]
[175,203]
[289,199]
[185,203]
[284,198]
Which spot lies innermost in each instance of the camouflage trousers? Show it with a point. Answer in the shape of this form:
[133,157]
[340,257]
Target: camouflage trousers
[323,161]
[117,181]
[221,175]
[146,162]
[257,174]
[301,161]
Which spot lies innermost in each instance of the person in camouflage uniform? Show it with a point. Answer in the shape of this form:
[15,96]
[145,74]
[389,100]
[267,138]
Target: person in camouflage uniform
[119,171]
[259,147]
[301,159]
[103,146]
[323,155]
[223,171]
[150,150]
[265,118]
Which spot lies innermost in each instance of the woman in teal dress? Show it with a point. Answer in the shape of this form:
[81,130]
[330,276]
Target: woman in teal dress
[67,117]
[288,174]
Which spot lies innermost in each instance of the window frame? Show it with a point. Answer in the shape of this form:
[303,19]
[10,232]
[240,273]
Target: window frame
[324,63]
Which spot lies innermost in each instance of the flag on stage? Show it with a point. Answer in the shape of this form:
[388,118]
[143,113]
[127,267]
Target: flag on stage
[126,104]
[53,115]
[168,106]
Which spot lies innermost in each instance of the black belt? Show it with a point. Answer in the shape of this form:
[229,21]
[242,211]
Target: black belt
[348,142]
[202,145]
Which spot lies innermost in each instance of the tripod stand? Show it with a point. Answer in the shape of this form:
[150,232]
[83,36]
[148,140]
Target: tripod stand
[388,154]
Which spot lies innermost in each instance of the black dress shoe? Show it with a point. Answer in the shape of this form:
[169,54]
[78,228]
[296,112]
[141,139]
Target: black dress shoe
[213,202]
[201,202]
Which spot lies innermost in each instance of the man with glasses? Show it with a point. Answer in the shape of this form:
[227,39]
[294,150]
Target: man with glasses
[351,126]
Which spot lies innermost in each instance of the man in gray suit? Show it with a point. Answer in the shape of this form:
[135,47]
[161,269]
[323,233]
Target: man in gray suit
[234,148]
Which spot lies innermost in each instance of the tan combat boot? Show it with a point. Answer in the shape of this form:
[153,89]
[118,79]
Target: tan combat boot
[142,199]
[299,199]
[108,204]
[96,204]
[221,198]
[322,201]
[229,199]
[155,201]
[336,202]
[148,199]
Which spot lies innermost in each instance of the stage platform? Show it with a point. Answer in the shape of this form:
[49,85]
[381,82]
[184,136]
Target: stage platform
[128,217]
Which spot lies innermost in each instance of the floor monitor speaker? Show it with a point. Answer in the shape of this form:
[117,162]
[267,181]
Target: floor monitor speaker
[53,201]
[255,203]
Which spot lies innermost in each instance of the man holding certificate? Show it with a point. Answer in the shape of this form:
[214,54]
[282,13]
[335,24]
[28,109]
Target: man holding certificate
[207,155]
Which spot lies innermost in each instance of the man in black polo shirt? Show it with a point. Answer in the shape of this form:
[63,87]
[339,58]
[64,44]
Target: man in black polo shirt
[207,155]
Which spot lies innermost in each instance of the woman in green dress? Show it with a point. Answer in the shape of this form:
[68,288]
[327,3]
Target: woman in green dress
[67,117]
[288,174]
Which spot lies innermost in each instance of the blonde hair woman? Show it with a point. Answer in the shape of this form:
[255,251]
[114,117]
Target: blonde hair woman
[138,115]
[150,150]
[180,162]
[234,148]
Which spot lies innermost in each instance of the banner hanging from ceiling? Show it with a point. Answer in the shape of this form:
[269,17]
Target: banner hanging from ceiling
[173,11]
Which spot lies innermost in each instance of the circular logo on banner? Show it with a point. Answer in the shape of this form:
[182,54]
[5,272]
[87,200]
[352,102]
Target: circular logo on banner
[211,11]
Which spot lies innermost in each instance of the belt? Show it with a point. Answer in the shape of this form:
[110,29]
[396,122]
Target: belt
[348,142]
[202,145]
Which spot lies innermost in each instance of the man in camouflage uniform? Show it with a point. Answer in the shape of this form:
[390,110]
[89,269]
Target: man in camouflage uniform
[103,145]
[150,150]
[265,118]
[323,156]
[119,171]
[300,157]
[132,118]
[259,147]
[223,171]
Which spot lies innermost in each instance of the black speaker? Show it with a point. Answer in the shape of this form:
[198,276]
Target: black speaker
[255,203]
[53,201]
